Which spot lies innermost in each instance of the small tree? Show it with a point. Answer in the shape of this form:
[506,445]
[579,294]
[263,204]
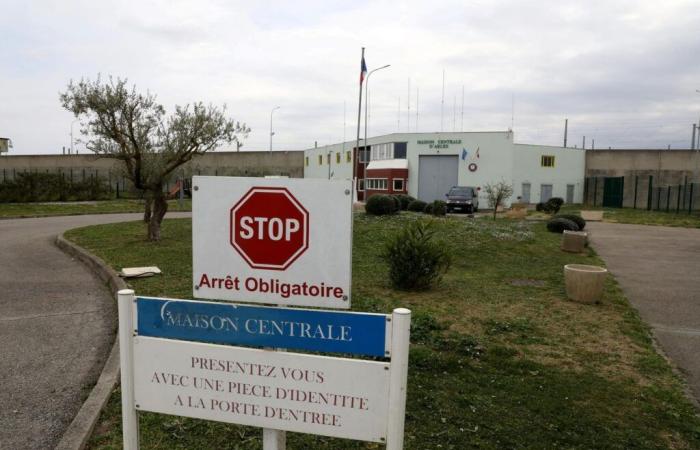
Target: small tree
[132,127]
[497,194]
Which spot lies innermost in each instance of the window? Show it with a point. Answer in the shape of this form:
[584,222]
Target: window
[398,184]
[320,160]
[364,155]
[348,156]
[382,151]
[547,161]
[306,161]
[361,184]
[337,157]
[376,184]
[399,150]
[328,158]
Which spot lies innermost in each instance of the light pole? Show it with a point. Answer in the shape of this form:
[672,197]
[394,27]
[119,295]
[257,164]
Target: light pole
[364,151]
[271,132]
[71,136]
[367,98]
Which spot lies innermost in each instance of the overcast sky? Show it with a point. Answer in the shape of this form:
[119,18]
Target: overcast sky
[623,72]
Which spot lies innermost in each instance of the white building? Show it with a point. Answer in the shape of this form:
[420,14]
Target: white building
[426,165]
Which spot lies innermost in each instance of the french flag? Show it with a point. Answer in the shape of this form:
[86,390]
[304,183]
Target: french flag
[363,70]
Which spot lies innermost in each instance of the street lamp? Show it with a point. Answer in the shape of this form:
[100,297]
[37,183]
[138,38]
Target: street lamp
[271,132]
[71,135]
[367,98]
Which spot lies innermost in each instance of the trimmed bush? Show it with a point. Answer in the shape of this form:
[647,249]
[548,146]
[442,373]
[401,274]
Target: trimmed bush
[416,260]
[380,205]
[396,201]
[428,208]
[578,220]
[553,205]
[539,207]
[439,208]
[405,200]
[559,224]
[416,206]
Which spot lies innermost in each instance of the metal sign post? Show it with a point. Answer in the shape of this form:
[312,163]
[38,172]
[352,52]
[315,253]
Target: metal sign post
[130,422]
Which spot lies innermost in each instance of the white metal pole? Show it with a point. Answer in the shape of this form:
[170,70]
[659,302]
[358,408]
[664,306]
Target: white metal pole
[398,375]
[130,424]
[274,439]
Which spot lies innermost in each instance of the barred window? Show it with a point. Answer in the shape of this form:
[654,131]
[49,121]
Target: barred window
[547,161]
[376,184]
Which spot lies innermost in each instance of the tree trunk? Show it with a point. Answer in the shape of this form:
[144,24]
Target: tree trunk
[160,207]
[147,210]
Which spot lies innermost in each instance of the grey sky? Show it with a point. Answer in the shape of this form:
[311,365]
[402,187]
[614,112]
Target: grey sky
[623,72]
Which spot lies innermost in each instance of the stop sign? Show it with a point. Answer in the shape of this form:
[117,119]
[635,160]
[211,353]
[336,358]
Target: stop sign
[269,228]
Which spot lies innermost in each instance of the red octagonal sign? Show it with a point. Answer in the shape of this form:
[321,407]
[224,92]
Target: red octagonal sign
[269,228]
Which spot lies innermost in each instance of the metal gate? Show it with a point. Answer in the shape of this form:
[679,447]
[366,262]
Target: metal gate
[569,193]
[436,175]
[525,197]
[613,190]
[545,192]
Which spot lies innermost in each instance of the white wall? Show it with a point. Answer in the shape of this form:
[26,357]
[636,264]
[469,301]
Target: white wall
[569,168]
[500,159]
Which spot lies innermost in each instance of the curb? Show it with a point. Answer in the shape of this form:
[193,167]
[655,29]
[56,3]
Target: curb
[80,429]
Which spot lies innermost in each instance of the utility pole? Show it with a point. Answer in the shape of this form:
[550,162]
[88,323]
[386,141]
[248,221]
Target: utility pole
[442,102]
[272,132]
[592,144]
[584,142]
[359,104]
[461,127]
[454,113]
[417,92]
[692,142]
[566,130]
[408,110]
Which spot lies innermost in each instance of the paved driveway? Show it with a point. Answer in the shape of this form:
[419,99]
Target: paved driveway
[57,326]
[659,270]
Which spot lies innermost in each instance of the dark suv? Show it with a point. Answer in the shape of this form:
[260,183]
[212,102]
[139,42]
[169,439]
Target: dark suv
[462,199]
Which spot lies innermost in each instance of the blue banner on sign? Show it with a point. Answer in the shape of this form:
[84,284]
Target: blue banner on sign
[299,329]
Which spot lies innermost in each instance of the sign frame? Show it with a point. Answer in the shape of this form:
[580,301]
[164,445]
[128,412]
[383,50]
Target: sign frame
[397,367]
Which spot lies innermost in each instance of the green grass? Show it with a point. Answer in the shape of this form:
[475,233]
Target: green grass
[499,358]
[18,210]
[641,216]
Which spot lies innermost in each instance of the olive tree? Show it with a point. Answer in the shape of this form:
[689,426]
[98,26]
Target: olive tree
[132,127]
[497,194]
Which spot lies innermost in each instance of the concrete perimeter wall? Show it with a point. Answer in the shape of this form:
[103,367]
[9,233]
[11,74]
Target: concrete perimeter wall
[660,176]
[289,163]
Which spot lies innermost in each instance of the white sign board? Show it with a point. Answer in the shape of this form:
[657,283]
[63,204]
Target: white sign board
[278,241]
[337,397]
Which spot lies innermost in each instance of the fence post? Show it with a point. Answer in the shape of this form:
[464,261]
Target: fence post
[636,183]
[595,190]
[650,192]
[690,199]
[668,198]
[685,189]
[678,200]
[585,191]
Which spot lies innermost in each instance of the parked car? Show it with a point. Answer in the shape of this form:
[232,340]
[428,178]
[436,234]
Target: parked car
[462,199]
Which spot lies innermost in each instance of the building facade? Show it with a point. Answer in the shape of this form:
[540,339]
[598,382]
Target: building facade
[427,165]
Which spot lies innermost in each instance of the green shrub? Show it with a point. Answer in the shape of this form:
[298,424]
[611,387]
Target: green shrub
[416,206]
[428,208]
[416,260]
[405,200]
[439,208]
[578,220]
[539,207]
[379,205]
[559,224]
[397,202]
[553,205]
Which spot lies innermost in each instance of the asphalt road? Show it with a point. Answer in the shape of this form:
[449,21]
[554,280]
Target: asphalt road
[659,271]
[57,326]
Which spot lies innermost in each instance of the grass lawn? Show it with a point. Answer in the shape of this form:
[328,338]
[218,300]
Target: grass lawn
[499,358]
[641,216]
[17,210]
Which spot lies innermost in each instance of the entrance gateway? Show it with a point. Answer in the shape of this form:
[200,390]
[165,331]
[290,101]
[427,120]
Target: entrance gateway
[436,175]
[215,360]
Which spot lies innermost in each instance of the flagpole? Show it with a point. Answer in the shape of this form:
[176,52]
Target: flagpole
[359,113]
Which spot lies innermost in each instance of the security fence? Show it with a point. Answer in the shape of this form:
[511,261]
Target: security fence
[641,192]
